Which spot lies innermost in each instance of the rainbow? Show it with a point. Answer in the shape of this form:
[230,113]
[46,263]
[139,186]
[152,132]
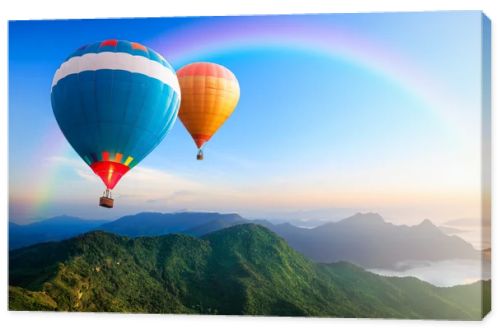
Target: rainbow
[212,36]
[52,144]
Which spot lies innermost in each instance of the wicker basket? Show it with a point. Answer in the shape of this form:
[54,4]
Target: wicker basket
[106,202]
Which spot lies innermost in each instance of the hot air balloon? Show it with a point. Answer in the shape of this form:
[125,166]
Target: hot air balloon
[114,101]
[210,92]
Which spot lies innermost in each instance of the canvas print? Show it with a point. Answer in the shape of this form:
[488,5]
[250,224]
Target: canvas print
[328,165]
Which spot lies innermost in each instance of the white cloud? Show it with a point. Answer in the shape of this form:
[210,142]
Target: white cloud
[77,165]
[154,185]
[86,175]
[65,161]
[140,186]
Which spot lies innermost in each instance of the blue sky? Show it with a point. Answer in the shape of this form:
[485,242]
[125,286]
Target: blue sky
[383,115]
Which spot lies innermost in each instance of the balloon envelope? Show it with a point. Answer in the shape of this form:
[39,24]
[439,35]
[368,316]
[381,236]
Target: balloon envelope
[210,92]
[114,102]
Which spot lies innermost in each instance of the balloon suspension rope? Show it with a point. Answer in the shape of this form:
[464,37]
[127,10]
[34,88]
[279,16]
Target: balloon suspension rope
[107,193]
[199,156]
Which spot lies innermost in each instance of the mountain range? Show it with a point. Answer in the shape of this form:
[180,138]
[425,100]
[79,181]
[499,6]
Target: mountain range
[53,229]
[245,269]
[363,239]
[367,240]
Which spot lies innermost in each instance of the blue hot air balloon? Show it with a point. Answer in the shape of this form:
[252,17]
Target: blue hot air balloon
[114,101]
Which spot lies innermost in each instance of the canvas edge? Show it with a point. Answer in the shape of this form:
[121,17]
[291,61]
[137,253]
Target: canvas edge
[486,158]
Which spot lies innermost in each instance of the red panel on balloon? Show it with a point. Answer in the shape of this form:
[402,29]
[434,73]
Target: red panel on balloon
[110,172]
[109,42]
[206,69]
[200,140]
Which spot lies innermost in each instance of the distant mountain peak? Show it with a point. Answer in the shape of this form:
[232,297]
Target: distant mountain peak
[426,223]
[183,213]
[60,217]
[66,219]
[365,218]
[369,215]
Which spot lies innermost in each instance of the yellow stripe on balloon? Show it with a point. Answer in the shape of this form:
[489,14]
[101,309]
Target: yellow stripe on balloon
[128,161]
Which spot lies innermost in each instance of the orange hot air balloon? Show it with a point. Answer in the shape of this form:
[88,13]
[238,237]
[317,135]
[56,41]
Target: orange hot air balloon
[210,92]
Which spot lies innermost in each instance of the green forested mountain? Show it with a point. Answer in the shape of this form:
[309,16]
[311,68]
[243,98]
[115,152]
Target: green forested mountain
[245,269]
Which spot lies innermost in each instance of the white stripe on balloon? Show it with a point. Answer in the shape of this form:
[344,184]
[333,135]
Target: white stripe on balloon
[117,61]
